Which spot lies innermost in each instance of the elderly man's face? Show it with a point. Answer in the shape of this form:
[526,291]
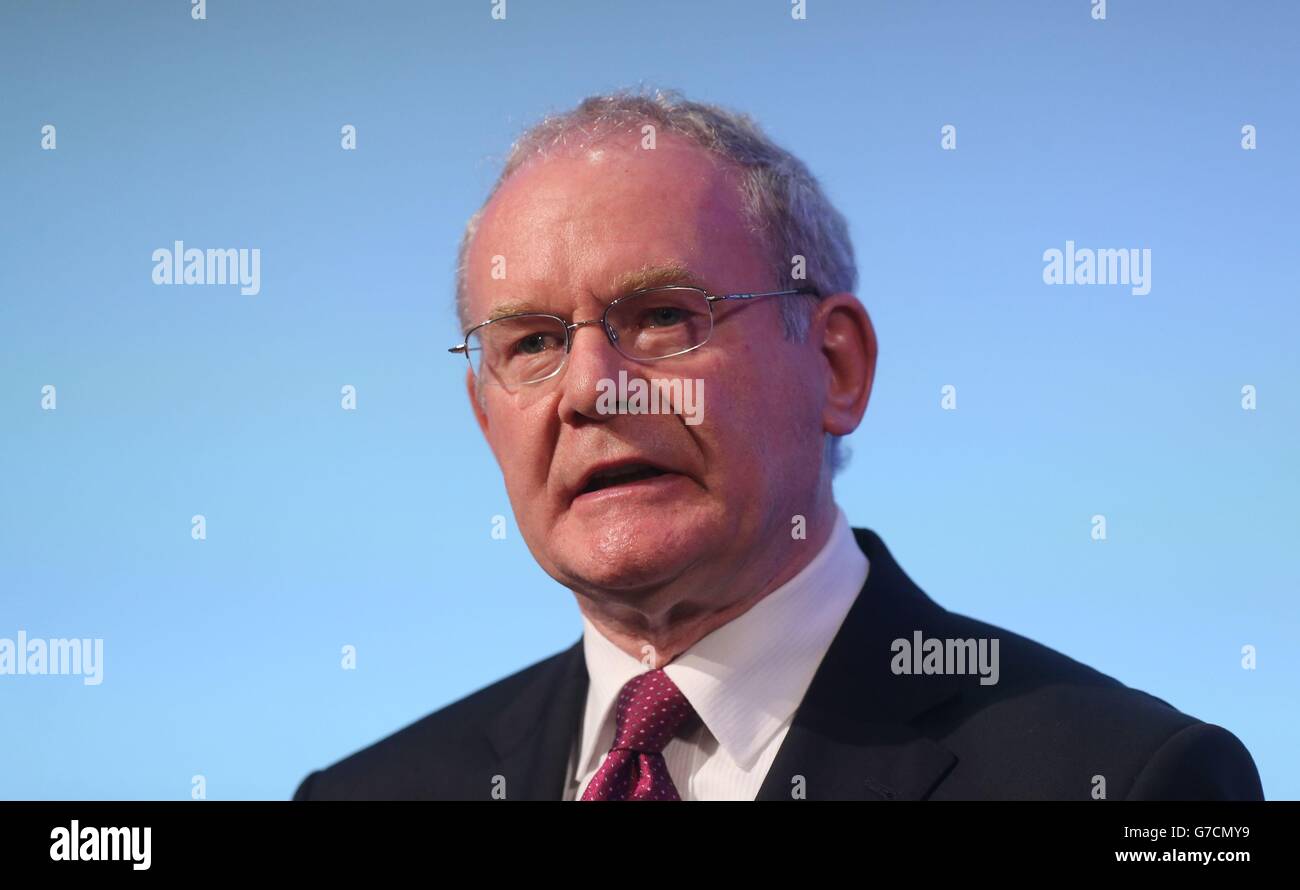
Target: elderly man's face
[569,228]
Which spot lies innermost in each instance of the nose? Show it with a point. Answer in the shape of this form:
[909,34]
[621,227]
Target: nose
[592,358]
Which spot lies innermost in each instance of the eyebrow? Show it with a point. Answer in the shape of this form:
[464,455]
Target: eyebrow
[656,275]
[511,307]
[649,275]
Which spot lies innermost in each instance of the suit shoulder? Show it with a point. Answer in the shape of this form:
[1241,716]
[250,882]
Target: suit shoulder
[1051,725]
[451,740]
[1031,676]
[1035,673]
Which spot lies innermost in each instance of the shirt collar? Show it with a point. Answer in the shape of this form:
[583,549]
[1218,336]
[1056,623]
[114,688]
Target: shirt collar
[746,678]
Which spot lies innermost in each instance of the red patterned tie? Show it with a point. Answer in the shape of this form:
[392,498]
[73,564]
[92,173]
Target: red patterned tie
[650,711]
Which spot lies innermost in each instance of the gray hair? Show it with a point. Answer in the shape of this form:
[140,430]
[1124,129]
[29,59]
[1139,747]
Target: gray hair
[782,201]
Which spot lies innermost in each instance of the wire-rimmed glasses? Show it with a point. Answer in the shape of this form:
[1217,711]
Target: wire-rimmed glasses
[645,325]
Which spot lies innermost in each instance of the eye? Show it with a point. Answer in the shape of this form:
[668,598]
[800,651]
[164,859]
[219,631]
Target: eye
[663,316]
[534,344]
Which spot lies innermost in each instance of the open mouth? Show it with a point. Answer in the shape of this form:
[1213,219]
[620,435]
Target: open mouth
[620,476]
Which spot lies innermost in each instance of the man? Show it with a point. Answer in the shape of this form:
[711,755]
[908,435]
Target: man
[740,640]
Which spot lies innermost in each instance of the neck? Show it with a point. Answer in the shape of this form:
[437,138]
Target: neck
[657,637]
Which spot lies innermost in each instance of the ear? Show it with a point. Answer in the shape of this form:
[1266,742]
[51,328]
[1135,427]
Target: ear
[848,343]
[474,402]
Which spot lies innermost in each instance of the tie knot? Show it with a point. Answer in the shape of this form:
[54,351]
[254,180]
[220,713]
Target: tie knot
[650,711]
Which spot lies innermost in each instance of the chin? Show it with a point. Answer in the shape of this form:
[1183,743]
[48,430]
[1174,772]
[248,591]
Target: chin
[630,549]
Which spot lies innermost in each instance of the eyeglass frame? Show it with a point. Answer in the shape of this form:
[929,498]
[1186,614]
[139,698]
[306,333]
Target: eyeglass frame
[571,326]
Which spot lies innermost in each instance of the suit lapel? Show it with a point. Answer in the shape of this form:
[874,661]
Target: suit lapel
[533,736]
[851,737]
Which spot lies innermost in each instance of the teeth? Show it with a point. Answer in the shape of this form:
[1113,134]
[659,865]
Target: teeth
[622,474]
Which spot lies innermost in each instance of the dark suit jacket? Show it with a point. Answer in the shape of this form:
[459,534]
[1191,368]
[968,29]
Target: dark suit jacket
[1044,731]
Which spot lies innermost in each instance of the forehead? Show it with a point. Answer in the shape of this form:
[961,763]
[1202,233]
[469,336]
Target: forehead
[586,220]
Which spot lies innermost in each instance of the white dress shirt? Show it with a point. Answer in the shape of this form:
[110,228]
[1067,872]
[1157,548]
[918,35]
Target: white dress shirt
[745,679]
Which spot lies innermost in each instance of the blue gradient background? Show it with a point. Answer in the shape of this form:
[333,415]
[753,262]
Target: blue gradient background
[371,528]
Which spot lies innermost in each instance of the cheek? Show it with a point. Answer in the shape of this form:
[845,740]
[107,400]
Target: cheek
[740,419]
[760,413]
[519,448]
